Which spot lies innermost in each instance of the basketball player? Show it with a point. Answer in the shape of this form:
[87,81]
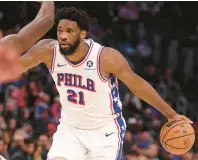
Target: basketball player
[85,74]
[13,45]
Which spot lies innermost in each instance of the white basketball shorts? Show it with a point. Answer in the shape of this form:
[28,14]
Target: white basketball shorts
[70,143]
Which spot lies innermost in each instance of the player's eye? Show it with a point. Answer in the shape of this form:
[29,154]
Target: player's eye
[69,31]
[60,31]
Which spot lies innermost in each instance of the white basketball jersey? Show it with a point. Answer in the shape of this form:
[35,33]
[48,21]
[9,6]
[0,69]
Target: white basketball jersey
[88,99]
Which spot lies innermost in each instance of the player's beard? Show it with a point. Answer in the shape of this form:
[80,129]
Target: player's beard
[72,48]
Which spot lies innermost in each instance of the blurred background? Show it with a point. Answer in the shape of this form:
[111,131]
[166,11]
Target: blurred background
[159,40]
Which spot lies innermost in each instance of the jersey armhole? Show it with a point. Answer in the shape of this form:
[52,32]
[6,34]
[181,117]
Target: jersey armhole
[51,70]
[102,78]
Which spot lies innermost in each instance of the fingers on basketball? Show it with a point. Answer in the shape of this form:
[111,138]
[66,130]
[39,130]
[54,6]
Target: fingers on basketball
[177,136]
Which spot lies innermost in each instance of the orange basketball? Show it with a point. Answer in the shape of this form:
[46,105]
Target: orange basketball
[177,136]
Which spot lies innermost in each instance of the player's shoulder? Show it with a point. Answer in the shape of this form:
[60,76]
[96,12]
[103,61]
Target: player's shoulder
[112,61]
[110,55]
[109,50]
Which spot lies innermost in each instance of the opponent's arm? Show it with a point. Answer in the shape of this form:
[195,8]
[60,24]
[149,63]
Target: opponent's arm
[113,62]
[32,32]
[40,52]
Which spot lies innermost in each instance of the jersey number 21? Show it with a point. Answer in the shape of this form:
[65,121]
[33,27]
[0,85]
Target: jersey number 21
[75,97]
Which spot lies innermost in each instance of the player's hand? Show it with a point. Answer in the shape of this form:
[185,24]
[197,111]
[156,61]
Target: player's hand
[180,117]
[9,64]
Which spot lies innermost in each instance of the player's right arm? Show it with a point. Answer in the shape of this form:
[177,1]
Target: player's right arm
[39,53]
[32,32]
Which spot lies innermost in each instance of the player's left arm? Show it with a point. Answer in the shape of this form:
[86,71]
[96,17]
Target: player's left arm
[112,62]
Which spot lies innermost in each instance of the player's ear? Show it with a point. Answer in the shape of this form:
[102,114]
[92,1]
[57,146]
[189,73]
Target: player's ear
[83,34]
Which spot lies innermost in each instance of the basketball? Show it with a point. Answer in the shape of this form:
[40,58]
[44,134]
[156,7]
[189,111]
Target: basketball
[177,136]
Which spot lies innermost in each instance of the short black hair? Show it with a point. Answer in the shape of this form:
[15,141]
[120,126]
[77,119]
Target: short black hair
[81,17]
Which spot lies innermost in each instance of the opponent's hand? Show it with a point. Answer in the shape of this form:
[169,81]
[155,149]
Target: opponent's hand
[9,64]
[180,117]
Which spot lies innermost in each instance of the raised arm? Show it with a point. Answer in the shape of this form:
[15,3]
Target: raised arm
[136,84]
[32,32]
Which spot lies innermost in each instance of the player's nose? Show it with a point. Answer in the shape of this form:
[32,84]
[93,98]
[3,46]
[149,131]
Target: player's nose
[64,36]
